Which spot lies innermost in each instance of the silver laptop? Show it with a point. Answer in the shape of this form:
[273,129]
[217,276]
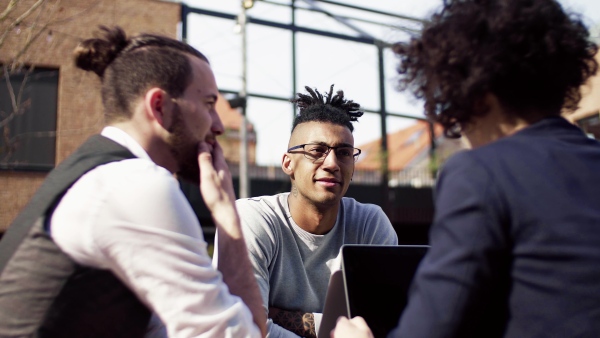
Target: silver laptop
[335,304]
[373,284]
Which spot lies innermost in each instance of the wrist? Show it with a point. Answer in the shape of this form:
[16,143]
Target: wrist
[298,322]
[225,216]
[308,319]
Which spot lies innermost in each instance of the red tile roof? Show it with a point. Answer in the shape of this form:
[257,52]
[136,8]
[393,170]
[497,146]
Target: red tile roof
[590,97]
[403,146]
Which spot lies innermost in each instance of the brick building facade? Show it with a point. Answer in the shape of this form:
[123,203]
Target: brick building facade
[79,109]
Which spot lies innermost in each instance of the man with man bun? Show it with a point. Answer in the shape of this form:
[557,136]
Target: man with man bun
[295,238]
[109,239]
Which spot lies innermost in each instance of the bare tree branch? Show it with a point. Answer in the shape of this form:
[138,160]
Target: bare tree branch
[19,20]
[11,92]
[35,21]
[15,61]
[9,8]
[31,25]
[22,89]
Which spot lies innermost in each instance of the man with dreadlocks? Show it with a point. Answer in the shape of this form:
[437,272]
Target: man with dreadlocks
[295,238]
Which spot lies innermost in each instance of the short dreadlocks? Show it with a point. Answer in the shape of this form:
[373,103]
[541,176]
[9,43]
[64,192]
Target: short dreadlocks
[329,108]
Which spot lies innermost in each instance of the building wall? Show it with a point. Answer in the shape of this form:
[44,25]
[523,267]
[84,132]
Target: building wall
[590,98]
[231,142]
[587,115]
[79,111]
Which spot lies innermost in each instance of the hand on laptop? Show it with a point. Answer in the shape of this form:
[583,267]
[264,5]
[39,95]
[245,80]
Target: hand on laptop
[302,324]
[351,328]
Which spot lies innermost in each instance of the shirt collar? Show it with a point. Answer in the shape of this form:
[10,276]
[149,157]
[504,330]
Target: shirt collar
[124,139]
[556,126]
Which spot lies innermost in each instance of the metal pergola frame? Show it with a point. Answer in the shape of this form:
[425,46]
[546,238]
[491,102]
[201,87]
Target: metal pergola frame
[362,37]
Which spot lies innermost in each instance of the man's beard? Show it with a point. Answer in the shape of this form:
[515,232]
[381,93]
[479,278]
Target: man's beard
[184,148]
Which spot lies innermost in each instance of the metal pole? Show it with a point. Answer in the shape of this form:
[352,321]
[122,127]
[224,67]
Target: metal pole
[184,15]
[432,153]
[384,145]
[244,186]
[294,90]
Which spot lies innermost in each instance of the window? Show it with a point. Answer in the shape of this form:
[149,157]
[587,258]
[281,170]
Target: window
[28,103]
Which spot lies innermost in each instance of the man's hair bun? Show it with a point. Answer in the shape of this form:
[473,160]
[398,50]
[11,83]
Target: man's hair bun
[97,53]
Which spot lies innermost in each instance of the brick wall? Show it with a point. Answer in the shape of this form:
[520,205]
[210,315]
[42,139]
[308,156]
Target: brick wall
[79,111]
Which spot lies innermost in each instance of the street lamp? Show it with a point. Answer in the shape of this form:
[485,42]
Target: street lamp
[244,190]
[247,4]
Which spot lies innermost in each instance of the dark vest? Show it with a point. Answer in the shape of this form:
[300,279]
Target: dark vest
[44,293]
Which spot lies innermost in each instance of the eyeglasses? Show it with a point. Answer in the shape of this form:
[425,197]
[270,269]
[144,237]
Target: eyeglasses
[318,152]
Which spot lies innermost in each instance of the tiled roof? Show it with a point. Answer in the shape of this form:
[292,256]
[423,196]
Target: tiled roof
[590,97]
[403,146]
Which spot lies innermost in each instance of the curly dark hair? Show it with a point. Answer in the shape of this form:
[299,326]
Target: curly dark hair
[329,108]
[129,66]
[529,53]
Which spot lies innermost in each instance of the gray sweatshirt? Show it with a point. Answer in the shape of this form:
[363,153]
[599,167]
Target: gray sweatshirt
[293,266]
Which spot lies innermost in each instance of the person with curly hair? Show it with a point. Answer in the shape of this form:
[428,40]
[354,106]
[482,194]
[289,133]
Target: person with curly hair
[109,246]
[295,238]
[515,241]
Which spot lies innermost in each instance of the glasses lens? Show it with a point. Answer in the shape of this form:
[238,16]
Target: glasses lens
[345,154]
[315,151]
[318,152]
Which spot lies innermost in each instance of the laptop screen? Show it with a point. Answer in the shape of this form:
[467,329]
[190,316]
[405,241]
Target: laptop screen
[377,279]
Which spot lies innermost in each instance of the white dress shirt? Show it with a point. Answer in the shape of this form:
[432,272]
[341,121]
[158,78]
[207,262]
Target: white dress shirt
[131,217]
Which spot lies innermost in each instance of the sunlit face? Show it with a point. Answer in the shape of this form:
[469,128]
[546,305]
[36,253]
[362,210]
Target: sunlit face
[195,119]
[322,183]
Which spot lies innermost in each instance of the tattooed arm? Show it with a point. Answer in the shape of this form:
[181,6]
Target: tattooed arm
[302,324]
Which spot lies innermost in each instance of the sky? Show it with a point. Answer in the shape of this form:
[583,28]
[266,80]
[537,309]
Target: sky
[321,61]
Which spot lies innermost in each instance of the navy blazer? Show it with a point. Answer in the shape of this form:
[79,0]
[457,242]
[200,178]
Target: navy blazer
[515,243]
